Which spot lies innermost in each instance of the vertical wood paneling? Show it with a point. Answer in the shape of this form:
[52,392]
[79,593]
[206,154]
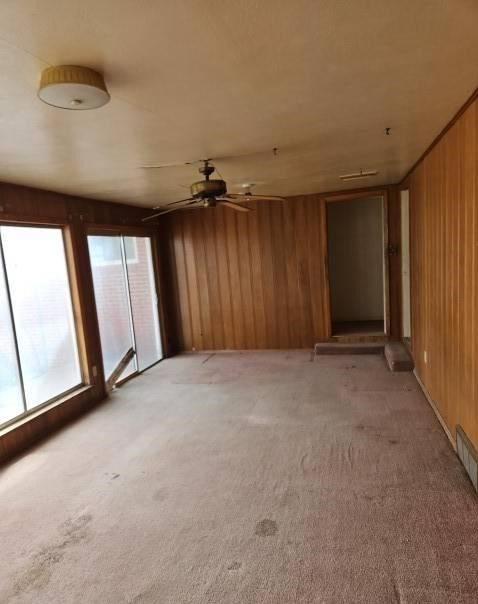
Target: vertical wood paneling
[245,277]
[316,270]
[444,262]
[394,263]
[280,274]
[230,220]
[256,280]
[306,298]
[212,270]
[182,306]
[204,292]
[223,278]
[267,276]
[292,276]
[192,281]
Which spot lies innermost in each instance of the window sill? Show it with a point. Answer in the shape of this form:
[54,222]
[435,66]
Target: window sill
[45,408]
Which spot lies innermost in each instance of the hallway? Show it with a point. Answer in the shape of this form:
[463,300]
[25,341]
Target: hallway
[241,478]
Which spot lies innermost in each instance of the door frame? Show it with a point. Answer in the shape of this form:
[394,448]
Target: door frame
[354,196]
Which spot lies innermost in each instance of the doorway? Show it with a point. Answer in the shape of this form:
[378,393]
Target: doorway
[126,301]
[356,266]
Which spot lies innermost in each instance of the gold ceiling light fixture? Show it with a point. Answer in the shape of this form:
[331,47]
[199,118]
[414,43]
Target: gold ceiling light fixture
[73,87]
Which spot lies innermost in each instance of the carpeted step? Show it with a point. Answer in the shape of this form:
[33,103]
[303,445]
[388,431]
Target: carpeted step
[398,358]
[348,348]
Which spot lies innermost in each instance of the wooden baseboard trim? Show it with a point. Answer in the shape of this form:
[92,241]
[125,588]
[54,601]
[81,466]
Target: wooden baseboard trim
[433,405]
[17,438]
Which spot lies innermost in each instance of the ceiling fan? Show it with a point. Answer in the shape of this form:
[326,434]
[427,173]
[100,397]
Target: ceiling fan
[210,192]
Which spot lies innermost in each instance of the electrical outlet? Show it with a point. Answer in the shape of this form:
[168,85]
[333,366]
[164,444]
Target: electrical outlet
[94,371]
[425,357]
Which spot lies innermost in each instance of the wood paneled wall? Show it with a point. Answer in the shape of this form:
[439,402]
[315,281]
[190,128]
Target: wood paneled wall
[250,281]
[444,271]
[27,205]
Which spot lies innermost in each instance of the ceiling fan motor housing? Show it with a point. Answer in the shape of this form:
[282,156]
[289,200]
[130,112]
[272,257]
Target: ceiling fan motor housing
[205,189]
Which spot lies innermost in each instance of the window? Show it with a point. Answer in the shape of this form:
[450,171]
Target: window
[108,252]
[38,347]
[11,398]
[126,302]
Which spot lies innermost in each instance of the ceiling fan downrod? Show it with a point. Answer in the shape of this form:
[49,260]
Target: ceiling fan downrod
[206,169]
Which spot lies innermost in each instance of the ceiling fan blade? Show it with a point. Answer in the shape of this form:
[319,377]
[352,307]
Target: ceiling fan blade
[178,164]
[173,202]
[190,199]
[188,206]
[274,151]
[233,206]
[152,216]
[247,197]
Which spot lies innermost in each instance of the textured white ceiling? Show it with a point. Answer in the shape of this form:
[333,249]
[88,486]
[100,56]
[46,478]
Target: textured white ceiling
[320,80]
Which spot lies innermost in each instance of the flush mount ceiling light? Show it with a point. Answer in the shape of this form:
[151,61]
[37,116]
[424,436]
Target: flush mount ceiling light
[357,175]
[73,87]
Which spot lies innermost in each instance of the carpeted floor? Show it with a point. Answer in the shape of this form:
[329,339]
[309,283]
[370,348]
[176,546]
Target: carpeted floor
[243,478]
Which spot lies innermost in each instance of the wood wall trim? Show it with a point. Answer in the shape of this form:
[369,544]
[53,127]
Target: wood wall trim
[325,258]
[471,99]
[73,253]
[36,427]
[386,264]
[355,194]
[394,263]
[31,220]
[120,229]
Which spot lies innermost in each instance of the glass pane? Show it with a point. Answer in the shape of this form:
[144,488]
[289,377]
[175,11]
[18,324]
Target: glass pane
[143,300]
[111,301]
[42,311]
[11,401]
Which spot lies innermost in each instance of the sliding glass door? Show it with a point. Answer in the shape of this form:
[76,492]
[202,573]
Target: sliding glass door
[144,300]
[38,346]
[112,301]
[126,301]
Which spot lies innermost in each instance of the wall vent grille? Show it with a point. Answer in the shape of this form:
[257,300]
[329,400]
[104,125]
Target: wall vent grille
[468,455]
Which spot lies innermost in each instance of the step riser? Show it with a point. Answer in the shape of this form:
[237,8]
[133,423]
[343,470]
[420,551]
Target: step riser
[341,348]
[398,358]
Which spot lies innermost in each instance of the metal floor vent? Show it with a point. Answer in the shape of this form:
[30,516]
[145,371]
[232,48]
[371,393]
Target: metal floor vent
[468,455]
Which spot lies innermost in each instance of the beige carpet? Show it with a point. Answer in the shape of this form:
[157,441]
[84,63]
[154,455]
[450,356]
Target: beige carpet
[245,478]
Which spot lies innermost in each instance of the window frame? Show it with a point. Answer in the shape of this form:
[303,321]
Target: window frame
[77,316]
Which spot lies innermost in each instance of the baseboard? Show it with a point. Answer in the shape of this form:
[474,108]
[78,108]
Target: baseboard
[433,405]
